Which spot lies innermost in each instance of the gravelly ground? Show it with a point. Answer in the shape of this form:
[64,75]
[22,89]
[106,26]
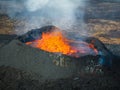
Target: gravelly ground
[15,79]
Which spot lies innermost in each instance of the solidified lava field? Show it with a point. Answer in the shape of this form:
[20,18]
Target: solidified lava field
[103,21]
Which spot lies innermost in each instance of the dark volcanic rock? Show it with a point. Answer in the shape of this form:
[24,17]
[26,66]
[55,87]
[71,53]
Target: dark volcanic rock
[36,33]
[51,66]
[15,79]
[5,39]
[54,70]
[103,52]
[45,65]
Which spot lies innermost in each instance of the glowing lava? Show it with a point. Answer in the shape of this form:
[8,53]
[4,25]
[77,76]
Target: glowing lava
[56,42]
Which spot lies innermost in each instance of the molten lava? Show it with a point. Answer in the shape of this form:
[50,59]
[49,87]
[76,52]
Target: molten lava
[56,42]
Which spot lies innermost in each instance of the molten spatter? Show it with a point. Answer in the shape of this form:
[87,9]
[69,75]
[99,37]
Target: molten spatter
[56,42]
[53,42]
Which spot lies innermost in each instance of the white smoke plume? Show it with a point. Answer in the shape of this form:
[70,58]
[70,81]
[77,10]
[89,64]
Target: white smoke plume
[38,13]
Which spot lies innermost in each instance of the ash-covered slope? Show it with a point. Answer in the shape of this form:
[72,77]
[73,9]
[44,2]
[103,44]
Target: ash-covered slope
[19,55]
[44,65]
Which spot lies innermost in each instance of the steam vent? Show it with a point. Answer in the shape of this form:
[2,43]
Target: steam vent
[24,54]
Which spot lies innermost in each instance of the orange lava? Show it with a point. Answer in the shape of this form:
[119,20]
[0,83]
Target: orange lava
[92,46]
[56,42]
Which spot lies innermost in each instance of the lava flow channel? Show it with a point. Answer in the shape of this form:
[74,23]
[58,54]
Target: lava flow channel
[56,42]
